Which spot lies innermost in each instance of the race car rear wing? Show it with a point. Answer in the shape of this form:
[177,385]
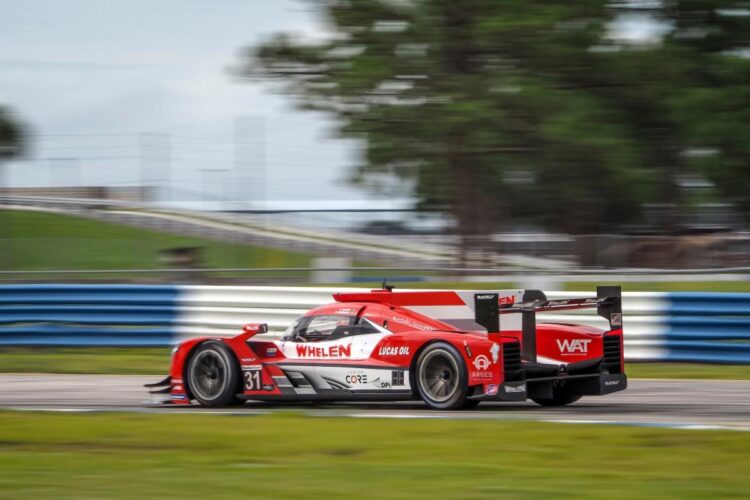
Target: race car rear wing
[608,304]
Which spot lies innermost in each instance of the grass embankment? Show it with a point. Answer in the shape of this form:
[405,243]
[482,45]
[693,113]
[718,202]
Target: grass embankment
[47,241]
[155,361]
[38,241]
[292,456]
[688,371]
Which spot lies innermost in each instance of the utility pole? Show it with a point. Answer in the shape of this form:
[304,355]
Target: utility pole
[207,183]
[6,226]
[250,164]
[155,154]
[250,159]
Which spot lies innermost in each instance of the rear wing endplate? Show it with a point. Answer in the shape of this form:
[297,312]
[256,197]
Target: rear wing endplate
[608,304]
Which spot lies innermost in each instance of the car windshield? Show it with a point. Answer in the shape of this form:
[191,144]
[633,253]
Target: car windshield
[328,327]
[289,332]
[316,328]
[322,327]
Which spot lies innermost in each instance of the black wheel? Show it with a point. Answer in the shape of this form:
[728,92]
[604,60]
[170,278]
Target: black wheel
[441,377]
[559,398]
[213,375]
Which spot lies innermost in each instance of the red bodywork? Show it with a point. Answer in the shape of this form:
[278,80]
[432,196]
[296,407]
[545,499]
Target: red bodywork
[380,363]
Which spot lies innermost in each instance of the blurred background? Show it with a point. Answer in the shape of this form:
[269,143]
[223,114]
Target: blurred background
[152,152]
[563,140]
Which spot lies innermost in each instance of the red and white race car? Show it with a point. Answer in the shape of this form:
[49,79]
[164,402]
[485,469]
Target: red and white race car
[451,349]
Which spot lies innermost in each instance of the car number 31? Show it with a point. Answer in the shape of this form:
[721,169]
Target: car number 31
[252,380]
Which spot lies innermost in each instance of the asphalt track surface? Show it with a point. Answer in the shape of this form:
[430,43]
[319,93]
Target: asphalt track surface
[691,404]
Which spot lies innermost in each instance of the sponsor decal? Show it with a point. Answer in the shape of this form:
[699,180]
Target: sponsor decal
[180,397]
[611,382]
[359,377]
[397,377]
[248,360]
[383,385]
[331,351]
[345,311]
[413,324]
[518,388]
[495,351]
[356,377]
[481,362]
[481,374]
[271,351]
[502,300]
[573,346]
[468,349]
[509,300]
[268,387]
[491,389]
[566,302]
[394,350]
[616,319]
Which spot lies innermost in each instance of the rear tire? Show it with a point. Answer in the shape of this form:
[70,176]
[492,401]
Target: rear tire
[441,377]
[213,375]
[558,398]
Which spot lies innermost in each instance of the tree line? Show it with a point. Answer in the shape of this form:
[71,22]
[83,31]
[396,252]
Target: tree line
[572,116]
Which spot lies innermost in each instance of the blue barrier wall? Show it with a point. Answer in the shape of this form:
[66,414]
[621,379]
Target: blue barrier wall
[88,315]
[708,327]
[702,327]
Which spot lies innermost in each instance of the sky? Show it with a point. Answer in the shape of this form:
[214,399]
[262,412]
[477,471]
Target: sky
[111,87]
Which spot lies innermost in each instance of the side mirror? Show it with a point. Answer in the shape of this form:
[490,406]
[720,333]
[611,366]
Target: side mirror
[255,328]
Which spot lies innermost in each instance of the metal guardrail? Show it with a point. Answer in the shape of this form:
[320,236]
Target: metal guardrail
[216,226]
[702,327]
[53,201]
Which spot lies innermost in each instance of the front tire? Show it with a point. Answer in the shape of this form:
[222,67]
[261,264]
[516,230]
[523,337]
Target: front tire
[441,377]
[213,375]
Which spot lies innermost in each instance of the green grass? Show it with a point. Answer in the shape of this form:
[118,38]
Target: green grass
[155,361]
[293,456]
[93,360]
[688,371]
[47,241]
